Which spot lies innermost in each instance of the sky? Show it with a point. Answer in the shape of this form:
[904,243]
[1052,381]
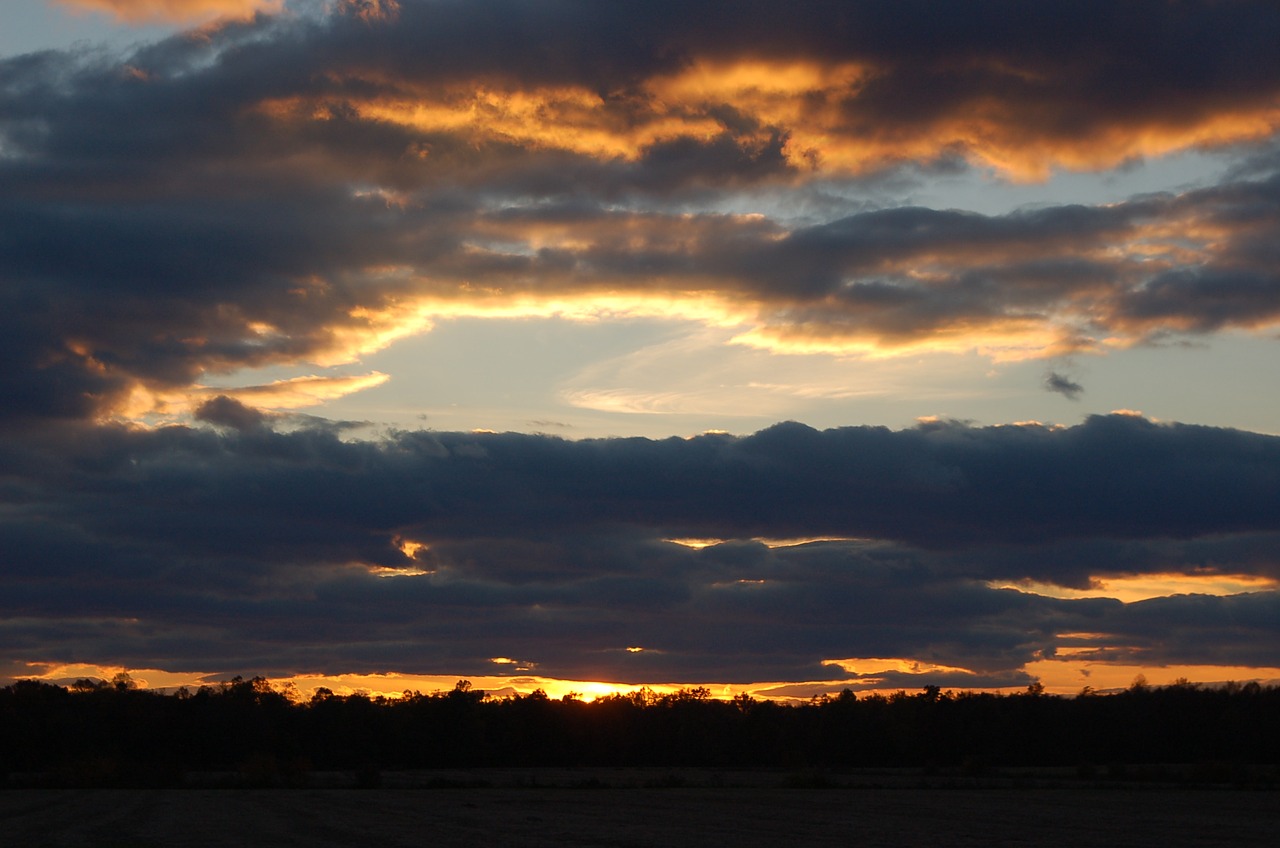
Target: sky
[780,348]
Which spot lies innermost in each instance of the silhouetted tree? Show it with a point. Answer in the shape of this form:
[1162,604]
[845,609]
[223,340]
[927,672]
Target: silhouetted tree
[94,733]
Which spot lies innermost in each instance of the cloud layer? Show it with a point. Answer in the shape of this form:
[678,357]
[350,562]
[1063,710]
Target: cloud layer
[249,548]
[295,188]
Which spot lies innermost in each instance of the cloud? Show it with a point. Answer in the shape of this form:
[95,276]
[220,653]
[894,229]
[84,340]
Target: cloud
[1063,385]
[293,190]
[846,89]
[297,392]
[174,10]
[938,485]
[299,191]
[229,413]
[251,550]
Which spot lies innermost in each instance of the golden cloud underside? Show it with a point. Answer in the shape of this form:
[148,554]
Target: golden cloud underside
[1058,676]
[592,270]
[295,393]
[816,108]
[174,10]
[879,298]
[1025,324]
[1139,587]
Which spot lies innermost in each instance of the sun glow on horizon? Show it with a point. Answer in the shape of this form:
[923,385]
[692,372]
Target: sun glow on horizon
[1057,676]
[1069,676]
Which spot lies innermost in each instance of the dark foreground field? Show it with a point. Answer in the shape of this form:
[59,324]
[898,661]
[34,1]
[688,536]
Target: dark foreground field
[739,815]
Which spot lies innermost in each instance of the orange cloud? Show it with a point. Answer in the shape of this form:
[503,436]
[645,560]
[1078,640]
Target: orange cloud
[870,286]
[819,109]
[1140,587]
[1070,676]
[880,665]
[177,11]
[299,392]
[674,267]
[413,314]
[144,402]
[1001,339]
[677,266]
[545,118]
[370,10]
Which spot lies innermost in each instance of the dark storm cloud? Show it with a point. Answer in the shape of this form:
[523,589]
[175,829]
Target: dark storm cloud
[229,413]
[699,625]
[1083,66]
[936,485]
[1203,300]
[1239,630]
[248,549]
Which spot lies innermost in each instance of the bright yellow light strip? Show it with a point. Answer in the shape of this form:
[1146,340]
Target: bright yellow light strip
[545,118]
[696,544]
[1001,340]
[1062,677]
[394,685]
[801,540]
[379,327]
[1069,676]
[880,665]
[1141,587]
[699,543]
[297,392]
[294,393]
[385,571]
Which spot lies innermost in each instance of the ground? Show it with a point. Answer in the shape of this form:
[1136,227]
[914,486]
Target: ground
[665,809]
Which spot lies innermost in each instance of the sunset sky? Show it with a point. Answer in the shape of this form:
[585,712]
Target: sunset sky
[776,347]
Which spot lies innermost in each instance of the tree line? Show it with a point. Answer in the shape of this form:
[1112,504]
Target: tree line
[104,733]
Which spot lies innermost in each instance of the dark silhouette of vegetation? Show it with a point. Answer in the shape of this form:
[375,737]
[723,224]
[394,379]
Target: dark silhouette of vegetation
[98,733]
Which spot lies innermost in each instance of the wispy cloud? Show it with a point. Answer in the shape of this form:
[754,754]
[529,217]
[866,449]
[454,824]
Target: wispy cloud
[1063,385]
